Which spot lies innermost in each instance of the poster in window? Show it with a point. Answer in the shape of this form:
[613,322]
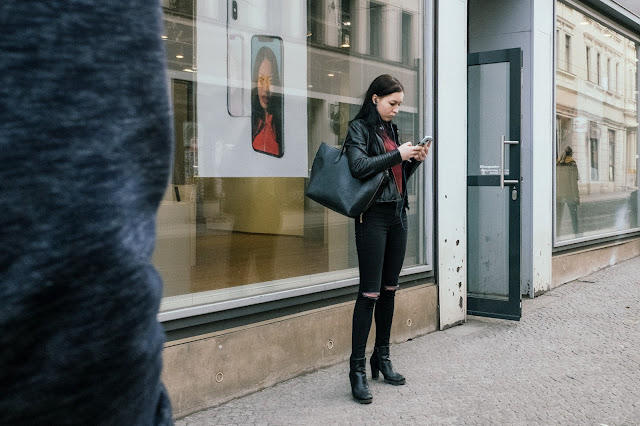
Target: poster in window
[241,112]
[267,96]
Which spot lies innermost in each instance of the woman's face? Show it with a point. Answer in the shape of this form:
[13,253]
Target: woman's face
[389,105]
[265,77]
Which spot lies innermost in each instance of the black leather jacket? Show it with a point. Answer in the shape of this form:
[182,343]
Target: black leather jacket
[367,156]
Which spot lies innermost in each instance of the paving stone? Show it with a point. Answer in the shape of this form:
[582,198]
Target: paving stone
[573,358]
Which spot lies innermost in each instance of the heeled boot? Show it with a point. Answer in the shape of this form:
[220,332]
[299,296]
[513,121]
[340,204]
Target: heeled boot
[380,362]
[358,378]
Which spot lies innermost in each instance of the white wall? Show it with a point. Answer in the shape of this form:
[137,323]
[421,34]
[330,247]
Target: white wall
[451,142]
[541,153]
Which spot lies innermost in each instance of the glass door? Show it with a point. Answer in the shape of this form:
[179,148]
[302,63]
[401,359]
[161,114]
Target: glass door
[493,183]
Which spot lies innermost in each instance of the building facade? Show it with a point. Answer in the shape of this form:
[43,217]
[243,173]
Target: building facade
[260,281]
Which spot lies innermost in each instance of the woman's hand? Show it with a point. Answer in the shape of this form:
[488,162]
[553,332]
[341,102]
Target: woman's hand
[408,151]
[422,154]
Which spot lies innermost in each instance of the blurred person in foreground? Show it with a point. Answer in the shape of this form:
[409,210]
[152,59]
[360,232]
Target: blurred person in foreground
[85,152]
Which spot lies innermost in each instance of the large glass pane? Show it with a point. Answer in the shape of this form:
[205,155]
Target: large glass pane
[488,84]
[596,128]
[488,242]
[234,221]
[488,207]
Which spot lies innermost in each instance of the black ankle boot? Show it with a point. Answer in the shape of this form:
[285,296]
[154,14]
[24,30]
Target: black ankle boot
[358,378]
[380,362]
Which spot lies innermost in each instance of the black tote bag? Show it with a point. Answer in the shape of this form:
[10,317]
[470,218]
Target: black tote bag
[332,185]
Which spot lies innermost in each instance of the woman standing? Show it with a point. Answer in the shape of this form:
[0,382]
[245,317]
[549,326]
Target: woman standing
[372,145]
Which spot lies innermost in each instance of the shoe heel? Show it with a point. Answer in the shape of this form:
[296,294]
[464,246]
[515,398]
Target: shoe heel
[375,371]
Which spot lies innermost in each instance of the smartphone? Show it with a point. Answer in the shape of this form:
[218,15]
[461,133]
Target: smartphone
[425,140]
[237,94]
[267,95]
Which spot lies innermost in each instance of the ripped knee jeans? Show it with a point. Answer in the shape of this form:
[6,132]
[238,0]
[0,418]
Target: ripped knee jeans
[381,241]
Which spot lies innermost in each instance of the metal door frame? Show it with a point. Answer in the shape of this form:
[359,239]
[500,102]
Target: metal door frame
[488,307]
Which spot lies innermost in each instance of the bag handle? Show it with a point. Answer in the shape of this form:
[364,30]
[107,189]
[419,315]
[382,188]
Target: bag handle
[343,150]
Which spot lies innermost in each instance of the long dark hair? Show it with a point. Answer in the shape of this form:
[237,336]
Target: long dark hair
[275,102]
[382,86]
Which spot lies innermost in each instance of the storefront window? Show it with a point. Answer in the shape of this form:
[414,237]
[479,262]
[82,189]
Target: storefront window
[596,127]
[256,88]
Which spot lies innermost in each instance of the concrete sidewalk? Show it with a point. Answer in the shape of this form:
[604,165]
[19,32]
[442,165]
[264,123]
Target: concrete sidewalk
[573,359]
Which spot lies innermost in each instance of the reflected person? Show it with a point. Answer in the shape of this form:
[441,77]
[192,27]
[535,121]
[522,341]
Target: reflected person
[266,105]
[567,188]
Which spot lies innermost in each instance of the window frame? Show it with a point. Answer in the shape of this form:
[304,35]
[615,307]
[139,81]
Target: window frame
[588,59]
[567,52]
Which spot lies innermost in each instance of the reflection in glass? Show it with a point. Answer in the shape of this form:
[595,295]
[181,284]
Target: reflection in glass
[488,85]
[223,238]
[567,193]
[488,242]
[596,128]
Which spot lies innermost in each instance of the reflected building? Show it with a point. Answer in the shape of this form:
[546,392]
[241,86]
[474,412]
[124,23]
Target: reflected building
[597,116]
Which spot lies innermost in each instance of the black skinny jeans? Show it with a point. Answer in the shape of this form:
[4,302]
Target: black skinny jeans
[381,241]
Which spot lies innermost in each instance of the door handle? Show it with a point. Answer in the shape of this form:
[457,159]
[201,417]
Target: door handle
[504,142]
